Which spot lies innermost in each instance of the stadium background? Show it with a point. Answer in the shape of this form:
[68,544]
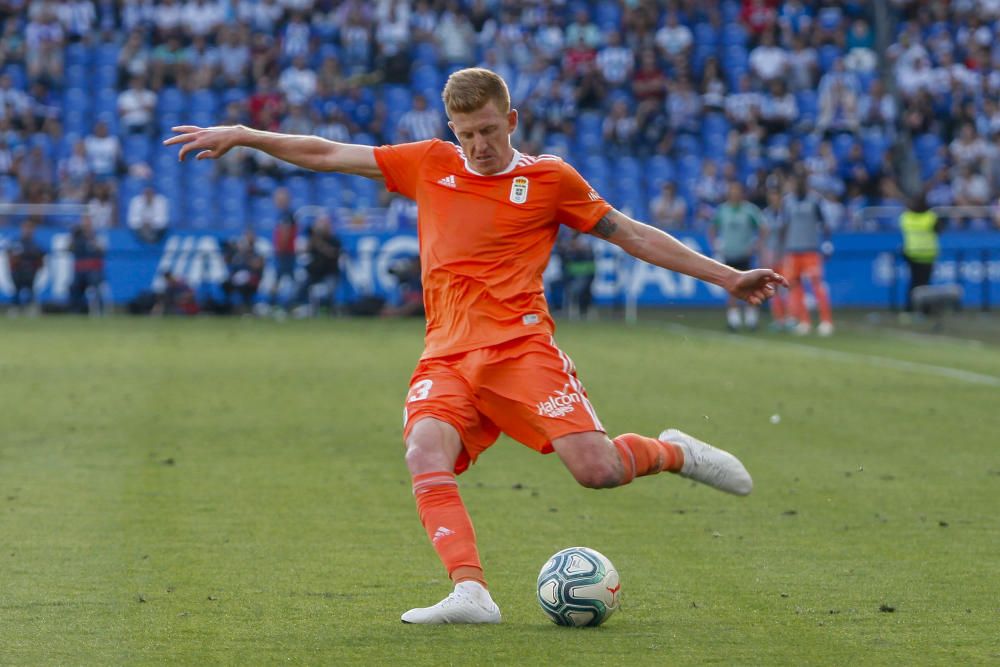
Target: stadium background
[873,99]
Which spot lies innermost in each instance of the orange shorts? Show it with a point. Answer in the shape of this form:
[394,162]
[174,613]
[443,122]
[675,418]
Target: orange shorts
[526,388]
[797,265]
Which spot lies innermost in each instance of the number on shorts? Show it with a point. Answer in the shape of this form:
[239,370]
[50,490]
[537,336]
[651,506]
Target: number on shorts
[420,390]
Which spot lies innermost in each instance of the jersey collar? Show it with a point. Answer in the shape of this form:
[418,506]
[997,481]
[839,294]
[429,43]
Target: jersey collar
[509,168]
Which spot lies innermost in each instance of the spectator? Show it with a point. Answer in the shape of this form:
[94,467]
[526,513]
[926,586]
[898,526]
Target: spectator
[758,16]
[969,148]
[201,18]
[202,64]
[234,57]
[265,105]
[44,39]
[455,36]
[649,83]
[36,175]
[420,122]
[286,233]
[298,82]
[583,30]
[406,271]
[768,61]
[615,60]
[674,39]
[26,258]
[970,186]
[148,215]
[619,129]
[803,65]
[669,211]
[713,88]
[134,58]
[88,269]
[297,121]
[323,250]
[169,61]
[137,107]
[744,104]
[102,209]
[877,110]
[168,17]
[104,152]
[684,106]
[779,109]
[245,268]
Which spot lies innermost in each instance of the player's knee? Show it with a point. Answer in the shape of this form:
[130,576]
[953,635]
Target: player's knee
[431,447]
[600,475]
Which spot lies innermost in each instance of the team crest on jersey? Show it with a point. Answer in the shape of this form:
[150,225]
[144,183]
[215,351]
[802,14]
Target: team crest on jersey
[519,190]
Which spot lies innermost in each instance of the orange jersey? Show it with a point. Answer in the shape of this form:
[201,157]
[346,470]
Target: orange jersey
[485,240]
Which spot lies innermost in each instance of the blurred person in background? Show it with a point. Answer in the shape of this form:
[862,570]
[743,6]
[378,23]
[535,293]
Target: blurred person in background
[26,257]
[284,237]
[770,254]
[735,234]
[669,210]
[148,215]
[323,251]
[175,297]
[804,241]
[920,227]
[88,268]
[245,268]
[579,269]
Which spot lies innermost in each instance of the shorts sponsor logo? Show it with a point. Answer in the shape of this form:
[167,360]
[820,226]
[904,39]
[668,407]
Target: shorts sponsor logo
[561,403]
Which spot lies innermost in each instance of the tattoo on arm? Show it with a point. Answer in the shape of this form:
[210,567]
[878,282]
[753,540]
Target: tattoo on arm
[605,227]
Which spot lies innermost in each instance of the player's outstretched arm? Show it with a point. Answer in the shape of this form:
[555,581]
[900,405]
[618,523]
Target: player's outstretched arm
[657,247]
[305,151]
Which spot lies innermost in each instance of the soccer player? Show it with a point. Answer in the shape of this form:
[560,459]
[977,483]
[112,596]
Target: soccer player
[804,233]
[487,219]
[736,228]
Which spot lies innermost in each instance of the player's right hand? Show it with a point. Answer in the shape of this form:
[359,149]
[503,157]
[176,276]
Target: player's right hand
[210,142]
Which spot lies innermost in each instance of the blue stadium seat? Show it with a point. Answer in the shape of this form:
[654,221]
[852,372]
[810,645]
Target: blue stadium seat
[106,102]
[10,191]
[686,144]
[204,100]
[230,95]
[628,168]
[136,149]
[171,100]
[424,77]
[106,54]
[808,105]
[842,144]
[76,76]
[231,186]
[76,53]
[714,146]
[300,189]
[328,191]
[873,146]
[398,98]
[730,10]
[826,55]
[607,15]
[714,123]
[200,213]
[77,98]
[424,53]
[263,214]
[17,75]
[926,145]
[105,76]
[734,34]
[233,211]
[705,35]
[810,144]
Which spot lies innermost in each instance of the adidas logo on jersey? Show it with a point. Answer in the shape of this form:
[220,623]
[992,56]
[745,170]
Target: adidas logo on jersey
[440,533]
[448,181]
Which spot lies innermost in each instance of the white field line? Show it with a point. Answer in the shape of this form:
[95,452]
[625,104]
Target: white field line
[848,357]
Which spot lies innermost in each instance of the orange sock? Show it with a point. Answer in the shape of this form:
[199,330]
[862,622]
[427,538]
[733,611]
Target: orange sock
[448,525]
[647,456]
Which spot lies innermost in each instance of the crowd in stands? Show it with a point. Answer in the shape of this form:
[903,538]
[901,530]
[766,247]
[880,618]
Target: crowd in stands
[658,103]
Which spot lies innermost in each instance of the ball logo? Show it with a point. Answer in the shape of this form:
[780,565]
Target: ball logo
[519,190]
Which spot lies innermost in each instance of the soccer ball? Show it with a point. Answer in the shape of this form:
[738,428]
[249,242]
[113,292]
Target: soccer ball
[578,586]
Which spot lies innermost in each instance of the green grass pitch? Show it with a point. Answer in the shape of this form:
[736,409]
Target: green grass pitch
[233,492]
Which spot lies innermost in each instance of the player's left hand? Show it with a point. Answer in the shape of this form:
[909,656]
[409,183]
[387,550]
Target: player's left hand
[755,286]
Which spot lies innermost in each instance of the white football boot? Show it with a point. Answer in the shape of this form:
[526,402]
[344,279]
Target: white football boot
[468,603]
[710,465]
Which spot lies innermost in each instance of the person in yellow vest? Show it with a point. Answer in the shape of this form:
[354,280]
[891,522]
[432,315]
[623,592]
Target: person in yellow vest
[920,227]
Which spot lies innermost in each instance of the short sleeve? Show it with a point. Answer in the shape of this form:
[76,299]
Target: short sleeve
[579,206]
[400,165]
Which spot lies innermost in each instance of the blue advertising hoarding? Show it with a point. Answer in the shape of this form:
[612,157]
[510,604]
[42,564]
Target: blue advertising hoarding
[861,272]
